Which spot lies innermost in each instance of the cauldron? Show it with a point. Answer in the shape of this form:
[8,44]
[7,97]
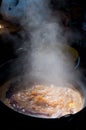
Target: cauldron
[19,120]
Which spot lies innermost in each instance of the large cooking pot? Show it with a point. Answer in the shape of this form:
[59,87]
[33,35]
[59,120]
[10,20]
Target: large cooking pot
[19,120]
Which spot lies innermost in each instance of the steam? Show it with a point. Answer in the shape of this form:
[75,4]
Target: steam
[46,58]
[47,62]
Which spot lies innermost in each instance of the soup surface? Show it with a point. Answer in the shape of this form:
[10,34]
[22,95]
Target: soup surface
[46,101]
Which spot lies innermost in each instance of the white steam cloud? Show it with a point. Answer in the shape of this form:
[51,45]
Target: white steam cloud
[47,60]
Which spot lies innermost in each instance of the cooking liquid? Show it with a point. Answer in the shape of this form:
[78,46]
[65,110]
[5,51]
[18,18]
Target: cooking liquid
[47,101]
